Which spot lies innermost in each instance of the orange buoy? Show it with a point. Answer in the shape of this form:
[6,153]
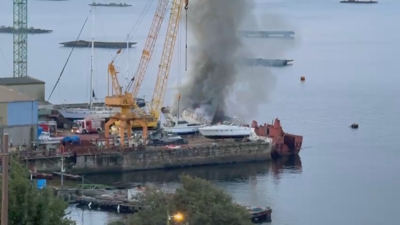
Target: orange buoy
[303,78]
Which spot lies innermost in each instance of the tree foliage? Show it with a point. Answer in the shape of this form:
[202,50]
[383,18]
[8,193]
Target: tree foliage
[200,203]
[29,206]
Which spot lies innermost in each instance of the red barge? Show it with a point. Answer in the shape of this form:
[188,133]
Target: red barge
[283,143]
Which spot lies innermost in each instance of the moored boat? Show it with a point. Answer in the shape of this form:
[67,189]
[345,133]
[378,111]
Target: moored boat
[46,138]
[67,176]
[260,215]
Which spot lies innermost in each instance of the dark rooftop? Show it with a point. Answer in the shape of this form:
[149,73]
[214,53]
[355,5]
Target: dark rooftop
[19,80]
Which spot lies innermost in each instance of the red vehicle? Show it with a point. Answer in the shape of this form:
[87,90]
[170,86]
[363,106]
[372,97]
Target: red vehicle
[87,126]
[49,126]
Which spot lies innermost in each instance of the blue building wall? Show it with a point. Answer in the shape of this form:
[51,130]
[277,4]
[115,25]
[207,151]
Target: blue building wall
[22,113]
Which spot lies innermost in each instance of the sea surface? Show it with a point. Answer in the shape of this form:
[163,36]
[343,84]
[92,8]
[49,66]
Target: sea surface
[348,54]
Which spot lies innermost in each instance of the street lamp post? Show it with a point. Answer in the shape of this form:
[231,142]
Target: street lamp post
[176,217]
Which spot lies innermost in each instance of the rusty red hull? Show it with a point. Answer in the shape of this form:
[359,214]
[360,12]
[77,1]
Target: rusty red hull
[283,143]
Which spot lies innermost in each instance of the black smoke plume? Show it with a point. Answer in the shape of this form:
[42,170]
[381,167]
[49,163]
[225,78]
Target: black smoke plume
[216,81]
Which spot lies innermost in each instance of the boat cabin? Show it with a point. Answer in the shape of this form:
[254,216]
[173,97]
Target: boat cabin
[180,123]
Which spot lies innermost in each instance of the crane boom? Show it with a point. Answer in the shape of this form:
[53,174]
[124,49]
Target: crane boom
[113,74]
[166,57]
[148,48]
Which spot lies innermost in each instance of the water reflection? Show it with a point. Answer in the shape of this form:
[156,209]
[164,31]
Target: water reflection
[247,182]
[285,165]
[228,172]
[219,172]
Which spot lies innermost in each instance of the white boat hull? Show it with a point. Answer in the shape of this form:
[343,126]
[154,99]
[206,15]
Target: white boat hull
[182,130]
[225,132]
[76,114]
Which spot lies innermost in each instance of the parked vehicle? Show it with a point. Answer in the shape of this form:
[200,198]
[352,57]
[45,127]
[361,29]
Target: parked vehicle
[88,126]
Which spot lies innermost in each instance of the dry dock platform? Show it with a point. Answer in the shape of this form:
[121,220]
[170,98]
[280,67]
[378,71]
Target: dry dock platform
[90,157]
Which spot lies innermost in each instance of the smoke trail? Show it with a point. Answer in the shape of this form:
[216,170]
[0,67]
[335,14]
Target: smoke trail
[216,80]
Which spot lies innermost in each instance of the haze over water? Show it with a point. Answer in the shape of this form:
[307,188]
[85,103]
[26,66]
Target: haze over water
[349,56]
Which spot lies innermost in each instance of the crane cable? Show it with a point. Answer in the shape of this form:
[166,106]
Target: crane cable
[70,53]
[186,32]
[5,59]
[139,21]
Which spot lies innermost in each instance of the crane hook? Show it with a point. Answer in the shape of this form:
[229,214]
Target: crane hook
[186,4]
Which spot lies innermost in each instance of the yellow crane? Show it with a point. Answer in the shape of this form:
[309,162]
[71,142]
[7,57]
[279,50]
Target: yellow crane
[126,100]
[160,88]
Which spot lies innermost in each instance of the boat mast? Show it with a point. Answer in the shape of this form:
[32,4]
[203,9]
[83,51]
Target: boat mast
[91,62]
[127,56]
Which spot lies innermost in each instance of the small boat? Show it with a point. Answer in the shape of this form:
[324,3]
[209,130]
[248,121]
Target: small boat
[41,176]
[354,126]
[67,176]
[260,215]
[45,138]
[226,130]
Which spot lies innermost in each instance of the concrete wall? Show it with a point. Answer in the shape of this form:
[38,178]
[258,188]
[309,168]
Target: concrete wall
[157,158]
[22,113]
[35,91]
[3,114]
[20,135]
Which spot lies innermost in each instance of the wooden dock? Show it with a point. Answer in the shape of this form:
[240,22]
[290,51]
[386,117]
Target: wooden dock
[117,205]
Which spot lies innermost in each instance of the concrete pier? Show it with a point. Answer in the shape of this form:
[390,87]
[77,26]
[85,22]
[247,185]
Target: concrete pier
[95,160]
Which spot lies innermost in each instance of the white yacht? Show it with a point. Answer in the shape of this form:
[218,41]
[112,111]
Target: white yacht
[79,113]
[178,125]
[182,127]
[225,131]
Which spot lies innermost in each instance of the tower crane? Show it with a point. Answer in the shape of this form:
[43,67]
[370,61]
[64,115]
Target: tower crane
[20,23]
[126,100]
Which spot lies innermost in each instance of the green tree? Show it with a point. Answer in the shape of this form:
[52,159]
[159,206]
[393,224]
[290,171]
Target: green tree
[29,206]
[199,201]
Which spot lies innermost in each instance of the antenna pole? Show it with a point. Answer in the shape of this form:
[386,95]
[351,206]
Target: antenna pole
[91,62]
[4,200]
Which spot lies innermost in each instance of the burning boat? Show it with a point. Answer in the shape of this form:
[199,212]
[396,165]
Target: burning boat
[283,143]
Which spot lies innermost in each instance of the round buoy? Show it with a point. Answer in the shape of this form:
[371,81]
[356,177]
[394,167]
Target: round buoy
[303,78]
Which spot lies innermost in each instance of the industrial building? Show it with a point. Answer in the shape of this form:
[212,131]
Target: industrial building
[27,85]
[18,116]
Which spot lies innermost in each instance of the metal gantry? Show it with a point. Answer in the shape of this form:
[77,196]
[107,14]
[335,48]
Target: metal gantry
[20,41]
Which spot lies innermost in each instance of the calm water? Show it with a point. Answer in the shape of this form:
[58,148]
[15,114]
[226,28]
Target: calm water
[348,54]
